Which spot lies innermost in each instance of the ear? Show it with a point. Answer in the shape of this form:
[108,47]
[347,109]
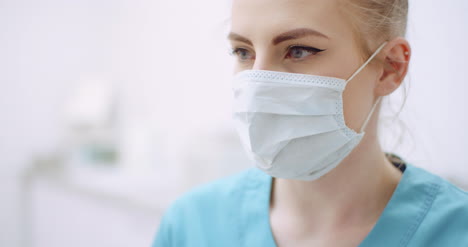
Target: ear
[397,54]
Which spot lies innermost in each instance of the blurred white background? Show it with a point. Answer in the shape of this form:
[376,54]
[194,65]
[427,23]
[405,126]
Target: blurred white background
[111,109]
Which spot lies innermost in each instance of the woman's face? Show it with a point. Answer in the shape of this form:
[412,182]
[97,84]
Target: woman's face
[303,36]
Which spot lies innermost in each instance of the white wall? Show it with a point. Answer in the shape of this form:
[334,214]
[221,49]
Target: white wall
[170,66]
[436,112]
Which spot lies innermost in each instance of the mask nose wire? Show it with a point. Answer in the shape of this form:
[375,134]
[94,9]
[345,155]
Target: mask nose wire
[364,125]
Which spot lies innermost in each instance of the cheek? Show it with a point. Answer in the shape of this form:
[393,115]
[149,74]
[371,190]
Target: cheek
[358,98]
[240,66]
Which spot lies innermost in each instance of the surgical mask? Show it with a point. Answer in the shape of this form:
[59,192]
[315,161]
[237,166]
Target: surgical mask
[292,125]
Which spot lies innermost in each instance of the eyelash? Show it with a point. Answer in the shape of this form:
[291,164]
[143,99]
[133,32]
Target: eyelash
[234,51]
[310,49]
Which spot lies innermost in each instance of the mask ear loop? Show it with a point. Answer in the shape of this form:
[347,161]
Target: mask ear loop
[367,62]
[370,114]
[356,73]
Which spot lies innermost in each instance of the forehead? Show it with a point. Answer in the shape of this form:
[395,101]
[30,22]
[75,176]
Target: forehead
[261,18]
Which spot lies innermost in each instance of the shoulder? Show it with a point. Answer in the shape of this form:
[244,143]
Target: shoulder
[448,194]
[452,201]
[215,194]
[447,219]
[448,197]
[199,211]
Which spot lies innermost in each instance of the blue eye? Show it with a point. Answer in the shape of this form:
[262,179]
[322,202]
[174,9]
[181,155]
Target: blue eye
[293,52]
[300,52]
[242,54]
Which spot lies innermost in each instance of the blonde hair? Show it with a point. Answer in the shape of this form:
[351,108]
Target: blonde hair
[376,21]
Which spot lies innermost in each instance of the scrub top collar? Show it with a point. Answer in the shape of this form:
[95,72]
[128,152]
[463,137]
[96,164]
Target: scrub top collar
[399,220]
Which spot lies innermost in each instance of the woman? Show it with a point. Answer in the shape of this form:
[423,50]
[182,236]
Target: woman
[310,76]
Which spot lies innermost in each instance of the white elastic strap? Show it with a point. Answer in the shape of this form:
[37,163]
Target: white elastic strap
[368,61]
[370,115]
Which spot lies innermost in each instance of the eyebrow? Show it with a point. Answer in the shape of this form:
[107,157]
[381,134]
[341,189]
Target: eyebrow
[289,35]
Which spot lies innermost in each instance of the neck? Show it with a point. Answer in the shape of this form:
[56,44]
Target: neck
[355,192]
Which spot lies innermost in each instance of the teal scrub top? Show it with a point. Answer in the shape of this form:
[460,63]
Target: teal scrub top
[424,210]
